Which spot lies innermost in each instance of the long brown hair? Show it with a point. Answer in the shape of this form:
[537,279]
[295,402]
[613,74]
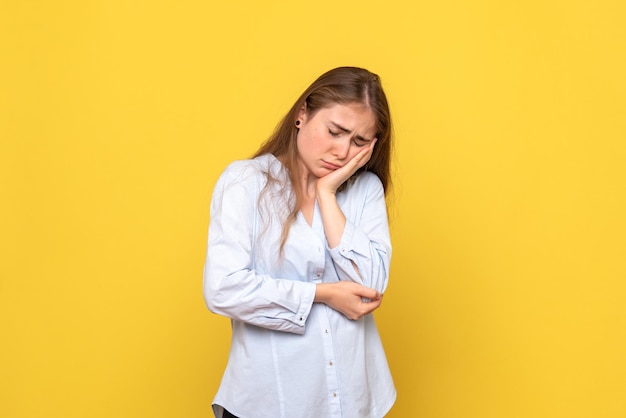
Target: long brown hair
[342,85]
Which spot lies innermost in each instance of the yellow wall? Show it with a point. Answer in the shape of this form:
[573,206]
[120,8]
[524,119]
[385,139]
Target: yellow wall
[508,280]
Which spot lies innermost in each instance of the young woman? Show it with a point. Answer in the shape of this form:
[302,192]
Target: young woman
[298,257]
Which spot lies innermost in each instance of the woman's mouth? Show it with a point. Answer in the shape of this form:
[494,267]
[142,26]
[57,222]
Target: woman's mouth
[330,166]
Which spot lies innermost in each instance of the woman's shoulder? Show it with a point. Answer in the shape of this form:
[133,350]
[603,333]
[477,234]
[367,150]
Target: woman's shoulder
[366,181]
[250,168]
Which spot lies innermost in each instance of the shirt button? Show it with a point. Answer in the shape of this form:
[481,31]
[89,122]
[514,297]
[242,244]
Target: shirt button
[334,395]
[330,363]
[326,331]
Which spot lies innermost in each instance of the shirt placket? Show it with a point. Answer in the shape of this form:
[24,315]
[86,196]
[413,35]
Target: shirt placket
[330,367]
[334,404]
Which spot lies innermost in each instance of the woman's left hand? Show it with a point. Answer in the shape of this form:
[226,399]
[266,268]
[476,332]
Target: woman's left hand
[336,178]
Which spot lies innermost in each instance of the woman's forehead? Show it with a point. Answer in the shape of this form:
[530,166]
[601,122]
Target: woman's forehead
[351,117]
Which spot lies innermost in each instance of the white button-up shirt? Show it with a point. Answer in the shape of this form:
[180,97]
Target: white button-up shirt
[290,357]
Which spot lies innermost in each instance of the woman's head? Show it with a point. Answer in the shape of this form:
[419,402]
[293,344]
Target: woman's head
[345,86]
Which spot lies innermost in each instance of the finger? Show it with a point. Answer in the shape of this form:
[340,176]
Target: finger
[369,307]
[374,141]
[368,293]
[361,158]
[370,147]
[366,154]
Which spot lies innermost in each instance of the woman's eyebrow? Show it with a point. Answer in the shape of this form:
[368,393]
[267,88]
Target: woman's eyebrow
[348,131]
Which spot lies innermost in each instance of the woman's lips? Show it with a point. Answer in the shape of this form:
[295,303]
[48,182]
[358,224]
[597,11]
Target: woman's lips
[330,166]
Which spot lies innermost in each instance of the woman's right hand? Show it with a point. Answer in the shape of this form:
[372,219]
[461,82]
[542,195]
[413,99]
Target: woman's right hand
[351,299]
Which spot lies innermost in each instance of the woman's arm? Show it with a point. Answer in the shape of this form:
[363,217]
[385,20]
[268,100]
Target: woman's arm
[232,287]
[364,252]
[360,245]
[333,218]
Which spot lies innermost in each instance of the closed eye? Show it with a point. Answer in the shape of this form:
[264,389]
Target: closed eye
[359,142]
[333,133]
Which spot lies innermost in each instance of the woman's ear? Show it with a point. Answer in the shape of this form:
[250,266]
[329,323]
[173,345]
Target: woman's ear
[302,116]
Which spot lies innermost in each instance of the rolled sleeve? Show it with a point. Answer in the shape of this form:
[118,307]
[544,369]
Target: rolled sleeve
[365,242]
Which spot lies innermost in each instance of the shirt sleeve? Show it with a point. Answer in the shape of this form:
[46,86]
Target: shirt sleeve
[365,240]
[231,285]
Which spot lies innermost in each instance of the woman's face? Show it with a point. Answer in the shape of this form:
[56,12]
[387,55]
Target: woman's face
[333,136]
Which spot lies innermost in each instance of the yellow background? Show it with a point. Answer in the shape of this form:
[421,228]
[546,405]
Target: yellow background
[508,292]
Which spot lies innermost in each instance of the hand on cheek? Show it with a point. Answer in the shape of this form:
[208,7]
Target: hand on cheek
[333,180]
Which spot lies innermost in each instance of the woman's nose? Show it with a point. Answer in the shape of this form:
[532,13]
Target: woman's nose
[341,148]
